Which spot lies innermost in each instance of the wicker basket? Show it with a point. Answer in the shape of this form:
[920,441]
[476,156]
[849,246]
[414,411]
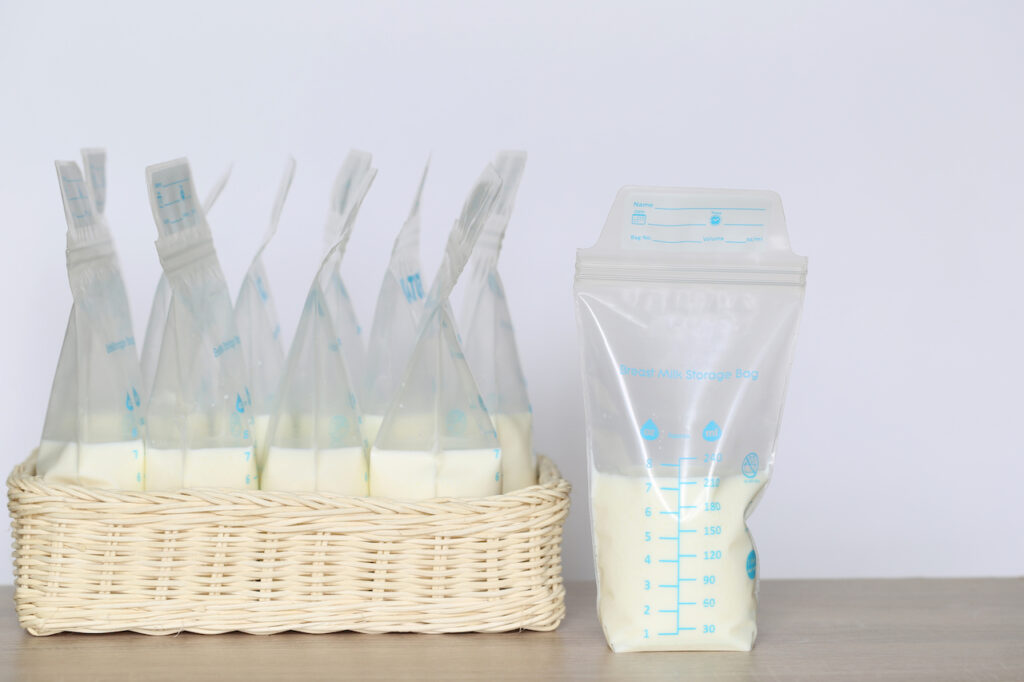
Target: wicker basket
[211,561]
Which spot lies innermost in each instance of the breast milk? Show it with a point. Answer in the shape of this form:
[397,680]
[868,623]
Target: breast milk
[469,473]
[675,578]
[117,466]
[336,470]
[403,475]
[413,475]
[174,469]
[518,466]
[296,460]
[421,474]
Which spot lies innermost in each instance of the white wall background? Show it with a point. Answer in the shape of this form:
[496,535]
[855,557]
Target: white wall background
[891,130]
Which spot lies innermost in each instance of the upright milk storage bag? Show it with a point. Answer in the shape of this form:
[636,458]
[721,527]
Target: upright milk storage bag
[396,319]
[256,319]
[437,439]
[490,340]
[93,429]
[314,440]
[199,422]
[688,308]
[162,301]
[351,176]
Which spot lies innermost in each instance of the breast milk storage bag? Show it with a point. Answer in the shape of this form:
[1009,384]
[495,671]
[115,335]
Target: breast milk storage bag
[396,319]
[688,307]
[353,173]
[199,423]
[314,440]
[490,341]
[93,429]
[258,328]
[437,439]
[162,301]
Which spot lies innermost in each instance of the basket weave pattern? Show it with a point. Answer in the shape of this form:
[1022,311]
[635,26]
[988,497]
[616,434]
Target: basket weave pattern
[211,561]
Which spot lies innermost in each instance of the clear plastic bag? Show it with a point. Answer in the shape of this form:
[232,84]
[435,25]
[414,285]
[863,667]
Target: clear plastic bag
[353,172]
[199,422]
[94,167]
[93,429]
[396,320]
[489,339]
[162,301]
[437,439]
[258,326]
[688,308]
[314,440]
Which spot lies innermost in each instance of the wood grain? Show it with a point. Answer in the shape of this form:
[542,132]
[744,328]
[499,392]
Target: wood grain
[969,629]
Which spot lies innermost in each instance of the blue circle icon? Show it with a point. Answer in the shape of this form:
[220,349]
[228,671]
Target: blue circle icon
[712,432]
[752,565]
[751,463]
[649,431]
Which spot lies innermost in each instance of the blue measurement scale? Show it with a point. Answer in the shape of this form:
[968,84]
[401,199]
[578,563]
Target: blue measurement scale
[683,524]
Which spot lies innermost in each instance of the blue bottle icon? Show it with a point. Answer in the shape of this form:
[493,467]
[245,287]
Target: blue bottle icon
[455,422]
[649,431]
[751,463]
[712,432]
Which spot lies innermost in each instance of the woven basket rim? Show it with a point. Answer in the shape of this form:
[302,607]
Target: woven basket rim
[550,483]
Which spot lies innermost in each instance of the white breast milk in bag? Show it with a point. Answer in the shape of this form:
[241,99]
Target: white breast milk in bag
[688,308]
[396,321]
[162,301]
[314,440]
[256,320]
[353,172]
[437,439]
[490,341]
[199,422]
[93,429]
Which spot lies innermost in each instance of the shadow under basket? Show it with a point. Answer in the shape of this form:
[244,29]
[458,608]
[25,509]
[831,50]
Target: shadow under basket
[216,560]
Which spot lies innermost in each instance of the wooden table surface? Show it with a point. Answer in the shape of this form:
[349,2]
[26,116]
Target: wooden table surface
[970,629]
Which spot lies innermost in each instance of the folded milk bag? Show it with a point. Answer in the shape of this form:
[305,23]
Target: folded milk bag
[256,320]
[437,439]
[94,167]
[688,308]
[199,422]
[162,301]
[353,172]
[93,429]
[490,342]
[314,440]
[396,320]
